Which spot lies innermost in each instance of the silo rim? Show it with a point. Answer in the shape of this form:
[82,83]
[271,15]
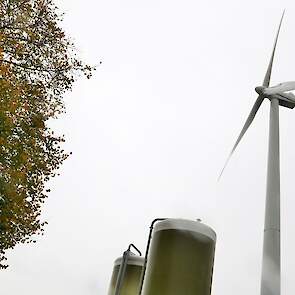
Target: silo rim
[185,224]
[132,260]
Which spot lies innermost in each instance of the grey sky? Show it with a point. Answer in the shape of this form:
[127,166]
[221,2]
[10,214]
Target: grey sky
[150,133]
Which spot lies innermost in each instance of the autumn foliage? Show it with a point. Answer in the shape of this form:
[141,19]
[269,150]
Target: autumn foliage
[38,65]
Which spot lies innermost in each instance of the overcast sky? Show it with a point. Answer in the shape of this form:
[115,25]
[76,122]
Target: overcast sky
[150,133]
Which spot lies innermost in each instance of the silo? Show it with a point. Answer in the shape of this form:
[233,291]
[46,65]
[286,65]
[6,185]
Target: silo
[180,260]
[131,276]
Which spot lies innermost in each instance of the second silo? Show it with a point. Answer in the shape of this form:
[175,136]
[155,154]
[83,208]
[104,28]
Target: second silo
[131,277]
[180,259]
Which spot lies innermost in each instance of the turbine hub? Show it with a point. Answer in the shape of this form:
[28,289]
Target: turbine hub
[260,89]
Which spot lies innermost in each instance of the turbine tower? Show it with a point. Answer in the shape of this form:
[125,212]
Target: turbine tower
[278,96]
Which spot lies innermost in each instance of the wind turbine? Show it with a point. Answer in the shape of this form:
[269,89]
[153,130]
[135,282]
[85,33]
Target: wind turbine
[278,96]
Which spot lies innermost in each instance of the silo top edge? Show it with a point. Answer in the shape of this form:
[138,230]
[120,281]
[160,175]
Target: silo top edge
[132,260]
[184,224]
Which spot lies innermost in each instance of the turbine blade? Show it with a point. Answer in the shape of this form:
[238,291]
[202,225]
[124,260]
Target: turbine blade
[248,122]
[269,69]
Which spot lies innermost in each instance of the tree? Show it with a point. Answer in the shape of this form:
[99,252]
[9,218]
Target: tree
[38,64]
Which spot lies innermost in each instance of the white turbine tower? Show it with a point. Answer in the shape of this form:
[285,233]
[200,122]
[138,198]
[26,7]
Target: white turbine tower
[278,95]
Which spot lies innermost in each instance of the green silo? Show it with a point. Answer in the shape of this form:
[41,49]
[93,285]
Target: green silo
[180,260]
[131,277]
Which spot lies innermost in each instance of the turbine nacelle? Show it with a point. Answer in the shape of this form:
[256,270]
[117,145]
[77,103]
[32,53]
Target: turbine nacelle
[286,99]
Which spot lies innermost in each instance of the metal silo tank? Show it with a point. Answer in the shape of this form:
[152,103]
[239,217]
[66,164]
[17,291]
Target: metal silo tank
[132,276]
[180,260]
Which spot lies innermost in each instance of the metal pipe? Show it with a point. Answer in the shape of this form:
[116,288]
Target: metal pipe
[121,273]
[134,247]
[271,264]
[147,250]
